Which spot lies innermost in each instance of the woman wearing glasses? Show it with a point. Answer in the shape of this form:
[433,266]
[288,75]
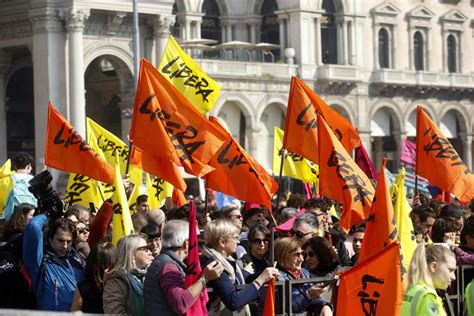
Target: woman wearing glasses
[222,238]
[123,287]
[257,249]
[80,242]
[305,296]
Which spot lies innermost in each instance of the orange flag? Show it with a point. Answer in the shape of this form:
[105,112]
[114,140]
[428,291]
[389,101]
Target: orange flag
[166,125]
[373,287]
[158,166]
[381,230]
[437,161]
[238,174]
[341,178]
[269,305]
[301,122]
[66,150]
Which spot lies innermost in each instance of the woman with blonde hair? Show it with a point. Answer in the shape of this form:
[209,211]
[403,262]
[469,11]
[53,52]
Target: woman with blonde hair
[432,267]
[123,286]
[222,238]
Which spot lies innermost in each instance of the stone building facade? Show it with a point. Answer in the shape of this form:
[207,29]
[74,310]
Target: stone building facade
[373,61]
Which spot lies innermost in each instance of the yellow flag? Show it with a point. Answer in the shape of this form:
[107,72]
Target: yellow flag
[6,185]
[83,190]
[403,222]
[112,149]
[121,219]
[186,75]
[294,165]
[158,191]
[135,178]
[6,169]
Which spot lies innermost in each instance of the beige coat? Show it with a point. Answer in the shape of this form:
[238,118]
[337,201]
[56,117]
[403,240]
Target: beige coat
[118,296]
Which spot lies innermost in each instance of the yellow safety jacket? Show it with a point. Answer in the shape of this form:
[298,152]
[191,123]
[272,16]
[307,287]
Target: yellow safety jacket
[420,300]
[469,298]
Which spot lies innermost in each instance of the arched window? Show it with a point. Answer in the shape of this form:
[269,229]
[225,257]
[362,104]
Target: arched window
[270,28]
[384,49]
[328,33]
[418,45]
[210,27]
[452,52]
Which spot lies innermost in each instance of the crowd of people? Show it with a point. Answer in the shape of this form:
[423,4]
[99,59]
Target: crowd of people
[68,263]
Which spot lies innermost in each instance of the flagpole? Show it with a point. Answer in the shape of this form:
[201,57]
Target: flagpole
[280,180]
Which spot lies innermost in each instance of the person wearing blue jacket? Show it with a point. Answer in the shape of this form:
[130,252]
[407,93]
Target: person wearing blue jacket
[55,268]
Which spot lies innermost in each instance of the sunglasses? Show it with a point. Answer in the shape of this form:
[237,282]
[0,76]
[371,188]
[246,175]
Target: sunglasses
[259,241]
[309,254]
[144,248]
[299,234]
[83,230]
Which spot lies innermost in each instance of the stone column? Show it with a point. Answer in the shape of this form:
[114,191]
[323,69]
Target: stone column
[49,72]
[345,42]
[126,110]
[5,63]
[161,30]
[377,152]
[376,30]
[317,39]
[340,44]
[75,20]
[467,150]
[283,40]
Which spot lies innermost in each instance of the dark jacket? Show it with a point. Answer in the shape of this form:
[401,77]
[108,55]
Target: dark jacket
[300,299]
[154,296]
[234,300]
[54,278]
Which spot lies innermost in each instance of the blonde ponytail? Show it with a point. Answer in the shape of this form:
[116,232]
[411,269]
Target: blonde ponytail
[422,257]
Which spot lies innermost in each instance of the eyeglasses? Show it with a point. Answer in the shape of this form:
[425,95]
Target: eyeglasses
[235,238]
[299,234]
[309,254]
[239,216]
[144,248]
[259,241]
[298,254]
[83,230]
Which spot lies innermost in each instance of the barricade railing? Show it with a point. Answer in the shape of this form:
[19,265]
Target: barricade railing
[454,297]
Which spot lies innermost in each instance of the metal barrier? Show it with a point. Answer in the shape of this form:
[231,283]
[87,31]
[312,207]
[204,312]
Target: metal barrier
[454,297]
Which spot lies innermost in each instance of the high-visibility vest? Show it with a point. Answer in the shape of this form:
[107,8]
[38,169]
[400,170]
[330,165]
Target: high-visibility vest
[414,305]
[469,298]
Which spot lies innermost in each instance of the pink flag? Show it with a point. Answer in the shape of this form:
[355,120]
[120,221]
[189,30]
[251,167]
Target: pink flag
[307,191]
[286,226]
[363,161]
[194,266]
[408,155]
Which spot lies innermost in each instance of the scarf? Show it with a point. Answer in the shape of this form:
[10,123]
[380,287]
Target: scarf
[233,273]
[217,307]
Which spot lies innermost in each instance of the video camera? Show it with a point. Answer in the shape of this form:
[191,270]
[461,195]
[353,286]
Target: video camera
[48,200]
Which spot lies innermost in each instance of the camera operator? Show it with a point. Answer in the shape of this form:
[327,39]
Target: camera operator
[54,267]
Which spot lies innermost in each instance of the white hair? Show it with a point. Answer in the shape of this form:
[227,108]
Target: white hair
[174,234]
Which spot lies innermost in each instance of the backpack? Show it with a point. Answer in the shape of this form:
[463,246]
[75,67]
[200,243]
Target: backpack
[18,194]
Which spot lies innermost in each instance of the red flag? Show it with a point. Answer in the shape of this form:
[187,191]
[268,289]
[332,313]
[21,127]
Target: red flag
[269,305]
[199,306]
[238,174]
[286,226]
[373,287]
[301,122]
[363,161]
[381,230]
[66,150]
[438,162]
[341,179]
[408,155]
[166,125]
